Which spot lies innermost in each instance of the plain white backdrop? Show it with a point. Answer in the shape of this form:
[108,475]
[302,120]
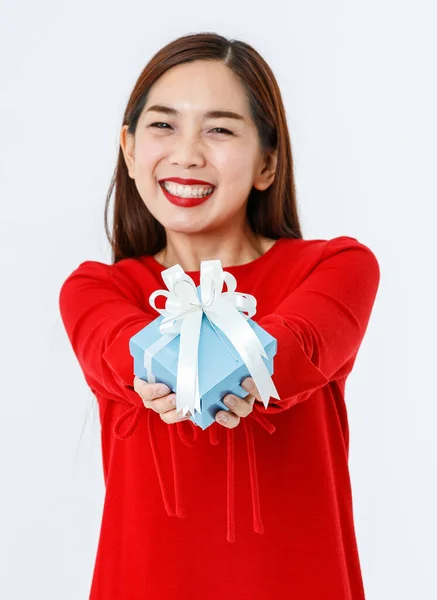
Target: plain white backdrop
[359,86]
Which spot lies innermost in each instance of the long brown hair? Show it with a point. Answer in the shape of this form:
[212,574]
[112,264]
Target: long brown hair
[271,213]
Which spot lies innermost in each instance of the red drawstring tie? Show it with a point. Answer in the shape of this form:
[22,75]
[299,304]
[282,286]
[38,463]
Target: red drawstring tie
[133,415]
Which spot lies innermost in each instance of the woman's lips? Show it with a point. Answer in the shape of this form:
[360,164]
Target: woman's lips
[185,202]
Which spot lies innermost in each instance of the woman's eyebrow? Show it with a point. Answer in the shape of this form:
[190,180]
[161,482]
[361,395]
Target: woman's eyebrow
[211,114]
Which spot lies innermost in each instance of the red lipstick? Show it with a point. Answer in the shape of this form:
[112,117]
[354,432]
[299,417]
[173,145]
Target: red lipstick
[183,181]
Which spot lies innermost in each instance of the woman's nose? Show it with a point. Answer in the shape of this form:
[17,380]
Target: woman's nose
[187,152]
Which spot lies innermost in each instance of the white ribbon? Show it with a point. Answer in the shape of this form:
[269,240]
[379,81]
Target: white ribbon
[183,314]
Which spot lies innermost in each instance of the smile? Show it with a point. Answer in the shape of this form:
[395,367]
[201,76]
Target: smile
[186,196]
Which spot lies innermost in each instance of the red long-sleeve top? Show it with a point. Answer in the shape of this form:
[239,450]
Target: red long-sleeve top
[259,512]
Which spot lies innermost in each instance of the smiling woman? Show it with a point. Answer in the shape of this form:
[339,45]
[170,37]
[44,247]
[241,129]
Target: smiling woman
[205,171]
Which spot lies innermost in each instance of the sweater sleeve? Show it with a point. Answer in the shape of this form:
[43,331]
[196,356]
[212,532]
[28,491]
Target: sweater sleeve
[99,320]
[320,325]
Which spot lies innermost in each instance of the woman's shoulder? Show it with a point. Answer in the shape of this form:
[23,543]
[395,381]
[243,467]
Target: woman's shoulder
[293,259]
[319,248]
[129,277]
[123,267]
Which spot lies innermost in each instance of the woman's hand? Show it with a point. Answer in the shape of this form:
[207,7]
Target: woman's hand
[159,398]
[239,407]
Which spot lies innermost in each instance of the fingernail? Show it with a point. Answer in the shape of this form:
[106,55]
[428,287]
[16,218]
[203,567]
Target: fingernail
[173,402]
[222,417]
[229,401]
[162,391]
[248,384]
[180,415]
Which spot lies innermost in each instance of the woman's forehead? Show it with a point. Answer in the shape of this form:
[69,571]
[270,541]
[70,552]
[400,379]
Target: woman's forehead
[201,87]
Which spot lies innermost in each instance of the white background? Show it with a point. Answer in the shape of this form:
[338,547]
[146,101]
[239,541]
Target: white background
[358,82]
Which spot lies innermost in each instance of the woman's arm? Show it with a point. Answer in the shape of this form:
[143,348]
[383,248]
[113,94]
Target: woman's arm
[99,321]
[321,324]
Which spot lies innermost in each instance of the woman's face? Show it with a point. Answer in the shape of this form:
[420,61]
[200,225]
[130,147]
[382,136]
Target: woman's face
[176,138]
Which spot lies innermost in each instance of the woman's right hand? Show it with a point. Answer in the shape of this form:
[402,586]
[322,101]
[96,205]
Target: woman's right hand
[159,398]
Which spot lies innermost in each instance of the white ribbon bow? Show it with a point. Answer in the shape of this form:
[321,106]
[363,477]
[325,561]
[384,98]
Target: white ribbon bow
[183,316]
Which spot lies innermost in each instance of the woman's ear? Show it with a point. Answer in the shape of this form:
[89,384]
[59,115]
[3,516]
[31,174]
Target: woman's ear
[127,143]
[266,175]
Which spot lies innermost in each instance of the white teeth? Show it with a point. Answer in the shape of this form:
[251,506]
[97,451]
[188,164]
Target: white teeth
[187,191]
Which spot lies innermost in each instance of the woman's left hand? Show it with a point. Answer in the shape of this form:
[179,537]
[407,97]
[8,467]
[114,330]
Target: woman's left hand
[241,407]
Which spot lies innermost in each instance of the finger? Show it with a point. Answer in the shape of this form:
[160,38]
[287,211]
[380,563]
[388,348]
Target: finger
[250,387]
[172,416]
[240,406]
[150,391]
[162,405]
[227,418]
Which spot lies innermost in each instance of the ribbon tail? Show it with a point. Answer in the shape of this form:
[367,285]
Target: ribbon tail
[261,377]
[247,343]
[187,386]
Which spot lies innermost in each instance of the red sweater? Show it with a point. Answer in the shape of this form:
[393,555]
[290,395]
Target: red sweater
[176,496]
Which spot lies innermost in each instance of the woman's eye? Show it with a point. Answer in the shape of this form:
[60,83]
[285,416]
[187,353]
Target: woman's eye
[158,123]
[225,131]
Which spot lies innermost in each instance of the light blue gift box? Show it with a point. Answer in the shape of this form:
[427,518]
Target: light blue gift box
[220,367]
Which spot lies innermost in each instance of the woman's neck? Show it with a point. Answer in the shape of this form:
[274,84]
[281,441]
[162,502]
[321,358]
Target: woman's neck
[189,251]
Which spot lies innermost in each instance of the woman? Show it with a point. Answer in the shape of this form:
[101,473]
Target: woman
[205,171]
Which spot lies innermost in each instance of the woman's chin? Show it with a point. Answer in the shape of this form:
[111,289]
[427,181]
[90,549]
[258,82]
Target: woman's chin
[193,221]
[184,226]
